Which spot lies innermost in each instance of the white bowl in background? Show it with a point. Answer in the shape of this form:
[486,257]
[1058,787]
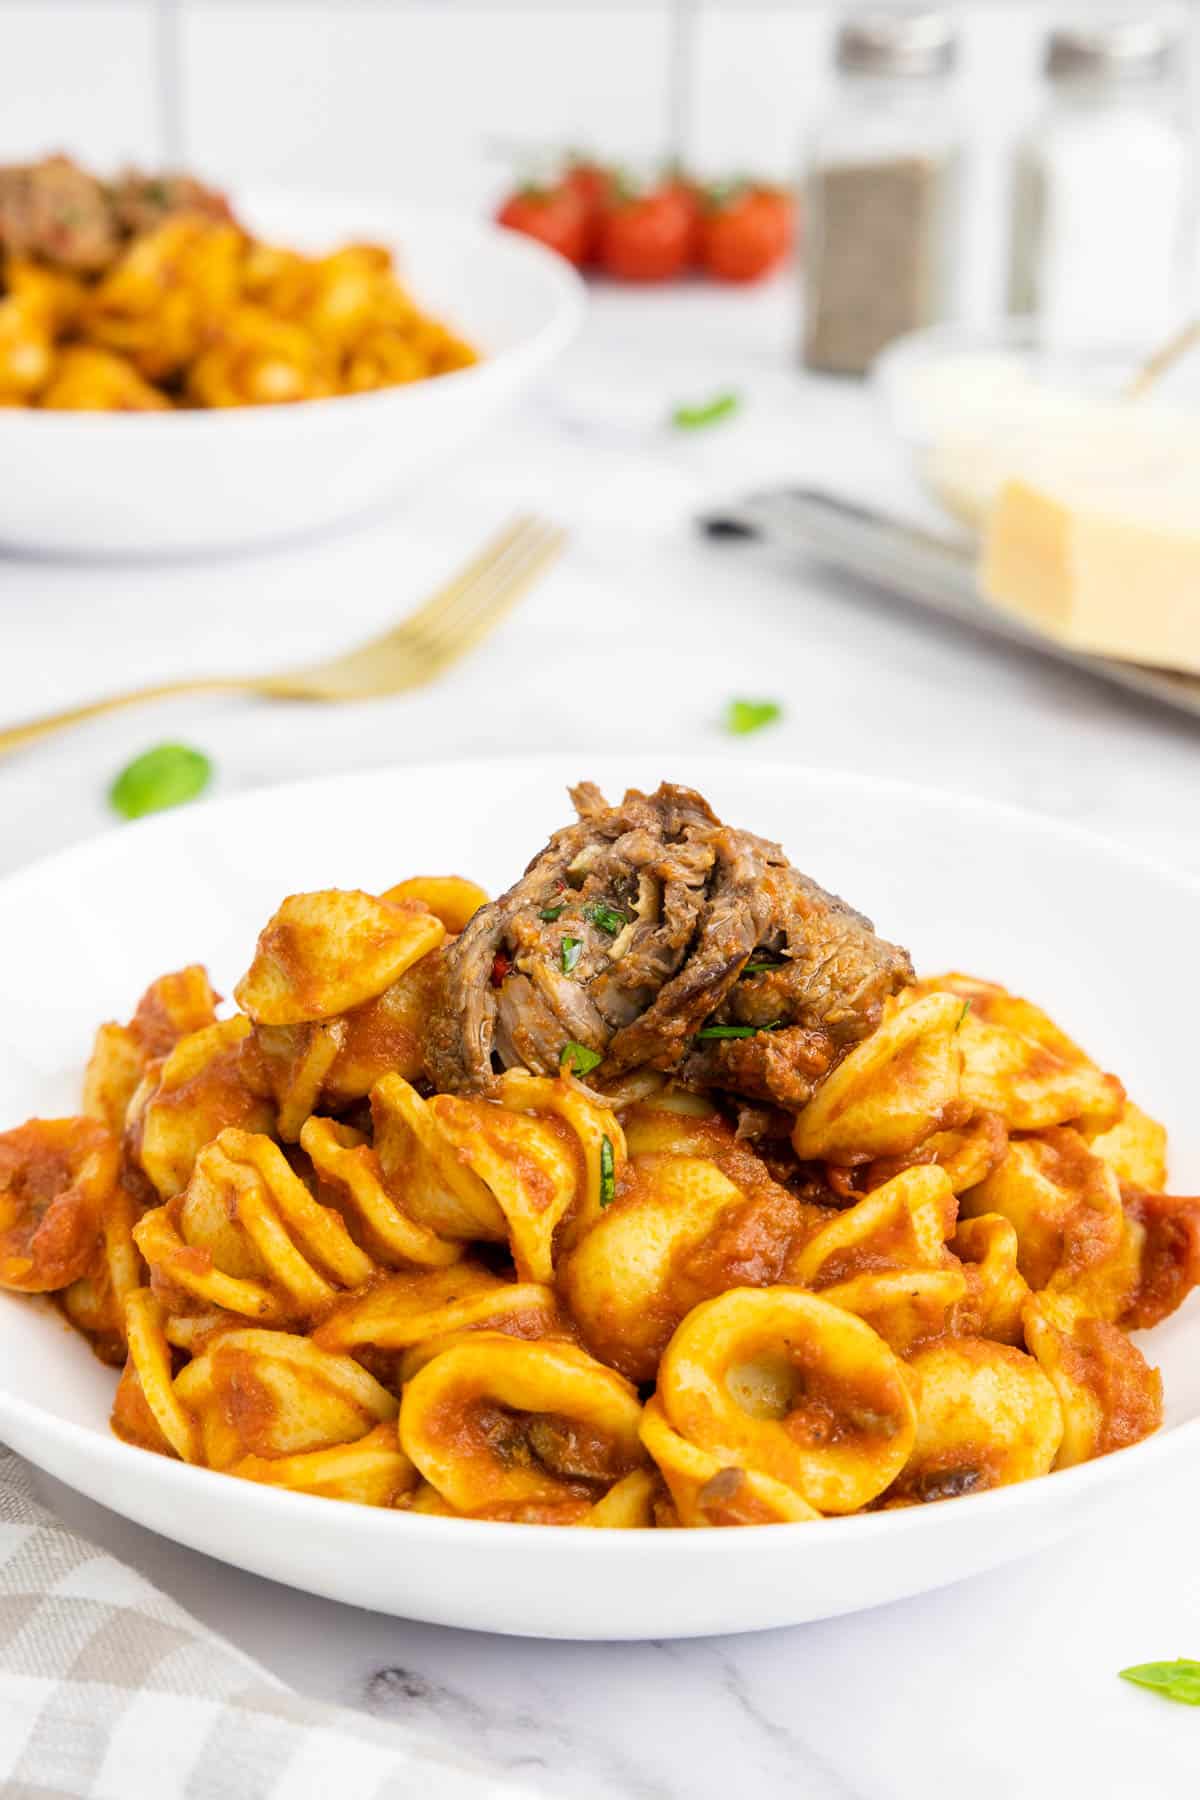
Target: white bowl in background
[164,483]
[1027,901]
[972,405]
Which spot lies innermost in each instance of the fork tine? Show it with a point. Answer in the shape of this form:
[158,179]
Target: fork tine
[479,608]
[462,612]
[465,578]
[492,614]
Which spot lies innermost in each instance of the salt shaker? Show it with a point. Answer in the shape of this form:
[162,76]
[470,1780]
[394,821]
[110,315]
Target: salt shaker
[1102,190]
[881,191]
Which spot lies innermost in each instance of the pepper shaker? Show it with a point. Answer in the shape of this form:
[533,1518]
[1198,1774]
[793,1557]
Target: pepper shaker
[881,192]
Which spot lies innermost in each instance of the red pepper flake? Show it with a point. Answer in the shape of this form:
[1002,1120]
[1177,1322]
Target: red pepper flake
[501,965]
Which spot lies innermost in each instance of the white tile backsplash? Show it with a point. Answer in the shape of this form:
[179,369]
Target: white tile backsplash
[78,77]
[413,96]
[410,99]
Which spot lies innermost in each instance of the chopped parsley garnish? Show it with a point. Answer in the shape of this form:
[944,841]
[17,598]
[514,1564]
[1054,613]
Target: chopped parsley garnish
[735,1031]
[608,1173]
[166,776]
[605,917]
[571,946]
[577,1059]
[1178,1680]
[760,963]
[962,1015]
[709,412]
[550,913]
[744,716]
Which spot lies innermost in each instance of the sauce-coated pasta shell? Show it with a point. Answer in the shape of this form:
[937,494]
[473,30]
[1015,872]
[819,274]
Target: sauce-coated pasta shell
[95,1303]
[781,1382]
[628,1505]
[187,1098]
[1165,1230]
[709,1489]
[675,1123]
[57,1176]
[373,1470]
[885,1258]
[478,1168]
[326,952]
[248,1237]
[419,1314]
[891,1092]
[418,1161]
[1109,1394]
[986,1416]
[1135,1148]
[1016,1061]
[495,1422]
[269,1393]
[968,1153]
[1064,1204]
[591,1123]
[903,1224]
[450,898]
[632,1278]
[988,1247]
[148,1409]
[351,1170]
[171,1008]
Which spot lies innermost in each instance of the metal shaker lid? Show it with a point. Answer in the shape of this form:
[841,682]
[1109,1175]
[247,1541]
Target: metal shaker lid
[914,40]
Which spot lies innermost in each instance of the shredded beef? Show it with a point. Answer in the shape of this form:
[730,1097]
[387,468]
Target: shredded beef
[642,930]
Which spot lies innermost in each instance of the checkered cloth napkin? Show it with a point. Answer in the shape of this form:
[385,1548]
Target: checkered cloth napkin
[110,1691]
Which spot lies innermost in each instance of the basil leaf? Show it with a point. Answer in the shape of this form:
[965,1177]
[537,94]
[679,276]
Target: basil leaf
[1178,1680]
[577,1059]
[550,913]
[744,716]
[571,946]
[709,412]
[735,1031]
[605,917]
[608,1173]
[168,775]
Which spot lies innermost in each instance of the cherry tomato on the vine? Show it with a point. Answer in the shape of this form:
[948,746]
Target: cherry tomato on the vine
[554,215]
[746,233]
[649,236]
[590,183]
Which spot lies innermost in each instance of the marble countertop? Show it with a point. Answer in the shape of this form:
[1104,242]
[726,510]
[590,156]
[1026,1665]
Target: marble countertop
[1001,1686]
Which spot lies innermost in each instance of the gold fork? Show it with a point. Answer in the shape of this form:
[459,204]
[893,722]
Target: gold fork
[452,622]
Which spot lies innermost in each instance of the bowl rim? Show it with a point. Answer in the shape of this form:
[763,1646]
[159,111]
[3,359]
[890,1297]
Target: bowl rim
[564,286]
[1055,1489]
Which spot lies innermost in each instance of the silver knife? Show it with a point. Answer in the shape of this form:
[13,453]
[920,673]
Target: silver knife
[933,571]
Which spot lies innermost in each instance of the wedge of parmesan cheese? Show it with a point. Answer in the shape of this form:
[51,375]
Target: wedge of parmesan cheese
[1097,539]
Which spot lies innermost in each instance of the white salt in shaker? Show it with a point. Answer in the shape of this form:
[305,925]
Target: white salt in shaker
[1102,190]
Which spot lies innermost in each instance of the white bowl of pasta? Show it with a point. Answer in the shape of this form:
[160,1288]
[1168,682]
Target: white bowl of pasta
[399,1359]
[220,474]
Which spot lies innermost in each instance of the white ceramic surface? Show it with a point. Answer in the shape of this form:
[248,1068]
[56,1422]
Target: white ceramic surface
[1004,894]
[151,483]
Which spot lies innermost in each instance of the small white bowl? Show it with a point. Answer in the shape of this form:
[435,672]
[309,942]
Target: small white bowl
[971,405]
[165,483]
[951,381]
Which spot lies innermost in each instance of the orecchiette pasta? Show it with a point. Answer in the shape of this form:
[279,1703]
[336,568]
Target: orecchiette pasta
[782,1383]
[499,1424]
[556,1299]
[174,304]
